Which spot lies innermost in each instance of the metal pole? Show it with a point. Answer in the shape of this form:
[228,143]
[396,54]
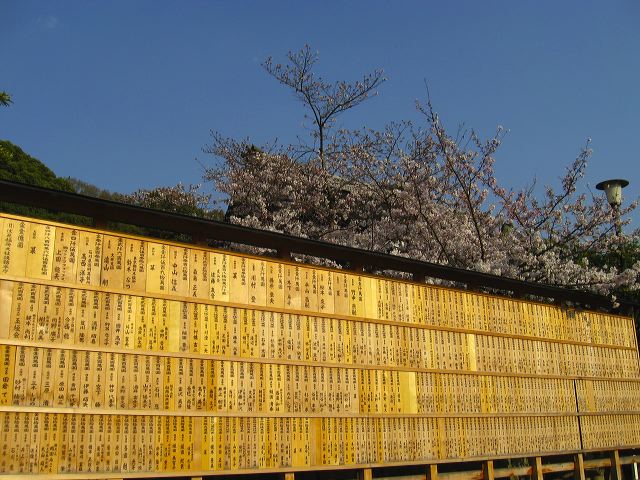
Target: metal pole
[618,246]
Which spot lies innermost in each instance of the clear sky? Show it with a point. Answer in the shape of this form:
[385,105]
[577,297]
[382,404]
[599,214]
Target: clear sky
[123,94]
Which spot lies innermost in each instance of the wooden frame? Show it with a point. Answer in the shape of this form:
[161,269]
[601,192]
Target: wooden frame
[207,362]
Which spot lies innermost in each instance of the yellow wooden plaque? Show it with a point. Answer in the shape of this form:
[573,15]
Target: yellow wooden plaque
[125,356]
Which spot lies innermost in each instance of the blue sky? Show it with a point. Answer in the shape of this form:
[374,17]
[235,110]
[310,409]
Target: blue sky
[123,94]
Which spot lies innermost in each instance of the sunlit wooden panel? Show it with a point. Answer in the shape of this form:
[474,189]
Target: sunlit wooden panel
[122,355]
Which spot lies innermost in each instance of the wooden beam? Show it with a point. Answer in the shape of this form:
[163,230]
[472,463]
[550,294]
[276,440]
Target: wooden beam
[432,472]
[630,459]
[29,195]
[597,463]
[536,467]
[487,470]
[507,472]
[616,470]
[578,467]
[289,476]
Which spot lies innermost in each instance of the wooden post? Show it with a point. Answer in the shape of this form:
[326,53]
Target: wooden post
[99,223]
[518,294]
[473,287]
[365,474]
[356,267]
[487,470]
[536,466]
[616,471]
[200,240]
[432,472]
[284,254]
[578,467]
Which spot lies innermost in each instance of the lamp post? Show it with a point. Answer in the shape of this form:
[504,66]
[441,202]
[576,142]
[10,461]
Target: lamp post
[613,189]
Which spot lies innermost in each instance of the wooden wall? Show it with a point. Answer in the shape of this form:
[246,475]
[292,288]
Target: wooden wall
[125,355]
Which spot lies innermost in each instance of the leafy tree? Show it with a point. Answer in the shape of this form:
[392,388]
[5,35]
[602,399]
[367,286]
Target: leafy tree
[324,100]
[624,256]
[5,99]
[84,188]
[18,166]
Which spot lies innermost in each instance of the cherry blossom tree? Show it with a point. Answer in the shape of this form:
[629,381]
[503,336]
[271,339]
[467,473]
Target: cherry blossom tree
[324,100]
[415,190]
[189,200]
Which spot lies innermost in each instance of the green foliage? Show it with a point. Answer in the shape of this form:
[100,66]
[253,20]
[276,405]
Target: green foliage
[5,99]
[84,188]
[623,257]
[18,166]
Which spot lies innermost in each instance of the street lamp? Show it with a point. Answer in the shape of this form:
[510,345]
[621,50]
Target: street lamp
[613,189]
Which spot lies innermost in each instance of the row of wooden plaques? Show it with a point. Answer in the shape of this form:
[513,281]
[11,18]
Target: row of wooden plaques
[90,319]
[62,443]
[89,258]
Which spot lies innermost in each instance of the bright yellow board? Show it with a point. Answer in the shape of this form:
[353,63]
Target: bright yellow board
[122,355]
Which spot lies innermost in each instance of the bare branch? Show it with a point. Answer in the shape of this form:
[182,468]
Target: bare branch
[325,100]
